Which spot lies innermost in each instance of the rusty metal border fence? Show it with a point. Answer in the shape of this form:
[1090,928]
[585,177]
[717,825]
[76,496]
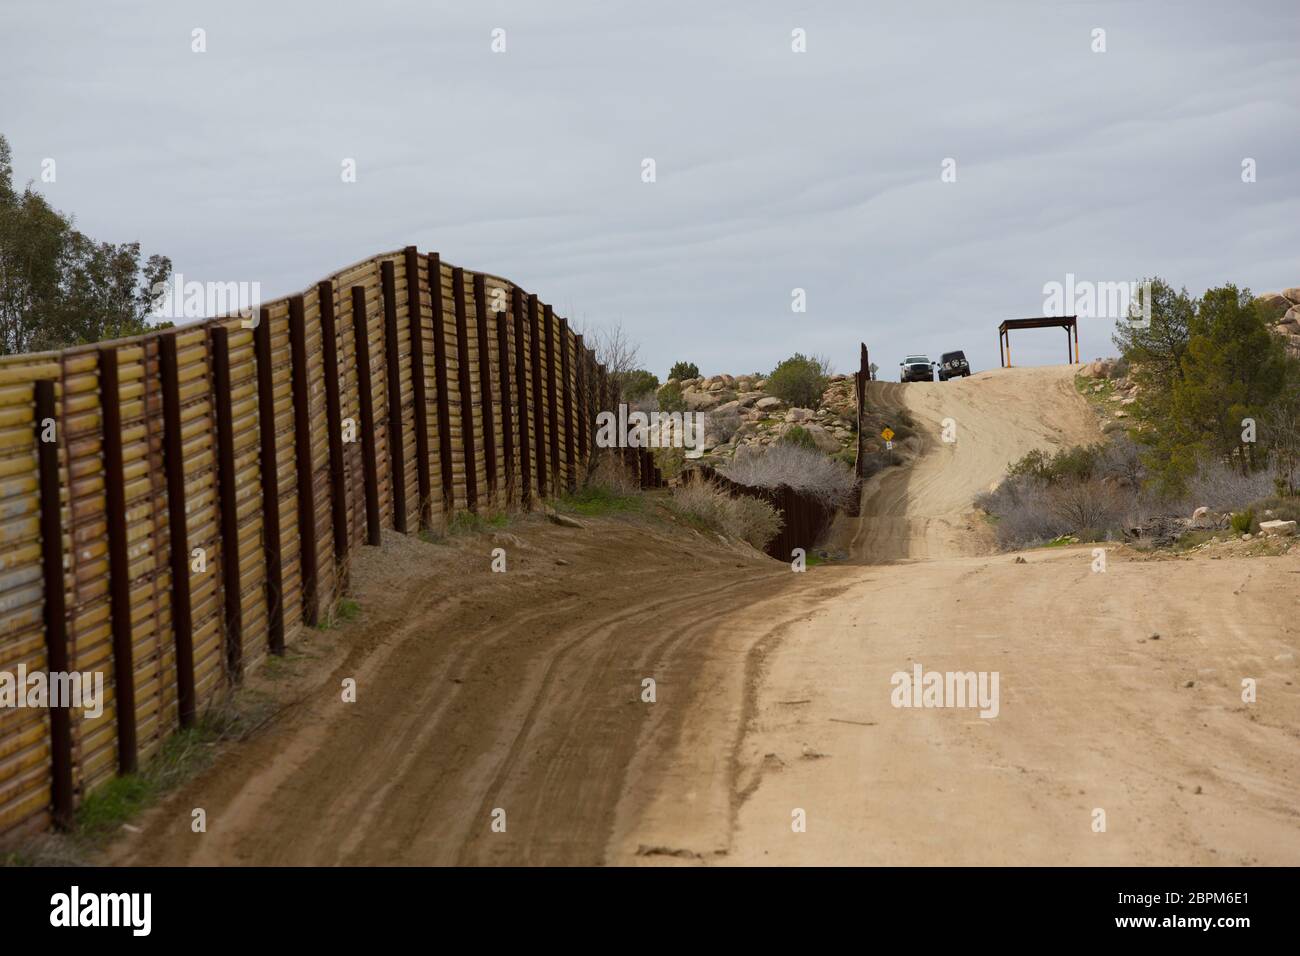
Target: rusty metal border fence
[804,518]
[177,506]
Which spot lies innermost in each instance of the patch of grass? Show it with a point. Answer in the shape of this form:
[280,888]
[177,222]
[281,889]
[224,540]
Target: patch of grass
[595,500]
[342,612]
[464,523]
[469,522]
[1243,522]
[1192,539]
[182,755]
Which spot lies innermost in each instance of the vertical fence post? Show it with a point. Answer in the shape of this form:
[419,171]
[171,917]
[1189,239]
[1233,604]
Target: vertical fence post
[539,428]
[303,455]
[270,476]
[334,424]
[485,384]
[173,456]
[580,392]
[415,315]
[507,411]
[366,400]
[566,393]
[396,447]
[552,398]
[119,562]
[228,499]
[860,387]
[56,619]
[440,384]
[466,389]
[521,387]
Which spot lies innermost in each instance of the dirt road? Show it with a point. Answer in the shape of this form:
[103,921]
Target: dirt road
[972,429]
[523,692]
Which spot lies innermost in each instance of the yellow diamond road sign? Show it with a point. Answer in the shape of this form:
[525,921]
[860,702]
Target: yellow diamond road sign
[887,434]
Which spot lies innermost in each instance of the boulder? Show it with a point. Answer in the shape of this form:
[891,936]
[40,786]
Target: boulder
[1292,294]
[701,401]
[745,399]
[1277,528]
[768,403]
[1273,304]
[798,415]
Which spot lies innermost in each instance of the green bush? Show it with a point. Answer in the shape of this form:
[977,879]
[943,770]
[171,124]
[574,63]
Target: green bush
[671,398]
[799,381]
[798,435]
[636,384]
[684,370]
[1283,509]
[1242,521]
[1078,463]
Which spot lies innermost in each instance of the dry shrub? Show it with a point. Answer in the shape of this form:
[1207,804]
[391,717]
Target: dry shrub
[803,469]
[609,472]
[704,504]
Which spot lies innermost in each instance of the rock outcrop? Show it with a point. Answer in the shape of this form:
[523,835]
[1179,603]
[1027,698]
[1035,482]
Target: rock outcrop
[1282,310]
[742,418]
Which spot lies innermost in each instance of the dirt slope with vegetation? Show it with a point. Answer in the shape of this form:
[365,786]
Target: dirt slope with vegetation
[928,510]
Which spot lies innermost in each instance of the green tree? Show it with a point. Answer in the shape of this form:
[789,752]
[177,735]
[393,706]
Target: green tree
[636,383]
[58,287]
[1281,431]
[1231,369]
[684,370]
[671,398]
[800,380]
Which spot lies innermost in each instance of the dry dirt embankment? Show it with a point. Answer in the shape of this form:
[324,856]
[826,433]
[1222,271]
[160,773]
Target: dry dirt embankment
[522,691]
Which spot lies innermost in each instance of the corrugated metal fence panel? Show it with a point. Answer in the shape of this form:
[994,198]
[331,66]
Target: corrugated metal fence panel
[366,275]
[451,338]
[203,529]
[350,412]
[498,300]
[429,364]
[248,493]
[94,742]
[411,473]
[148,545]
[24,732]
[320,452]
[277,316]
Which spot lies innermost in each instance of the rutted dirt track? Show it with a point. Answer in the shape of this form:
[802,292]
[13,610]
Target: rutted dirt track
[994,418]
[523,691]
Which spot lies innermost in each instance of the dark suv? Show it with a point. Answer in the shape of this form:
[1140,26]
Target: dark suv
[916,368]
[953,365]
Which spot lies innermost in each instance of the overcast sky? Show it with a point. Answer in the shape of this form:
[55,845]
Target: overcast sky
[775,170]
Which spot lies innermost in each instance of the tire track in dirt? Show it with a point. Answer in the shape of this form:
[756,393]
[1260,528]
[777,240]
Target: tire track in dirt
[475,691]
